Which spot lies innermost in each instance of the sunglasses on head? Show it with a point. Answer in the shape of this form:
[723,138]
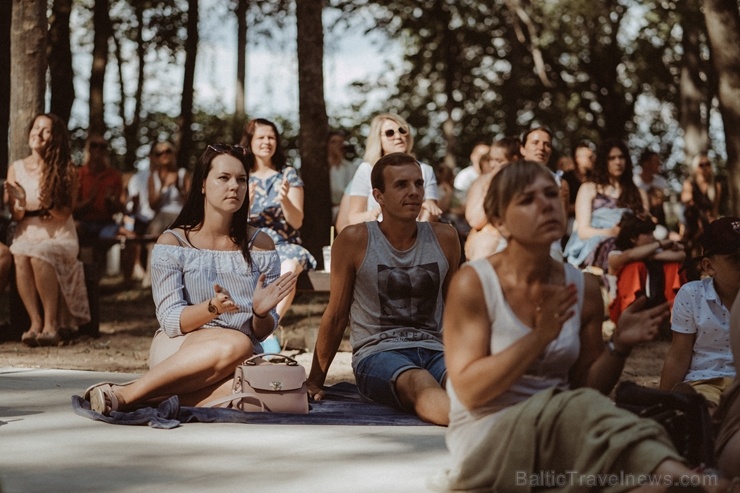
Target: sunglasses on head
[98,145]
[228,149]
[390,132]
[162,152]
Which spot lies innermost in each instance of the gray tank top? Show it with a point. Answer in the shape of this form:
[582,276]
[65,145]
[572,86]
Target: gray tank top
[398,301]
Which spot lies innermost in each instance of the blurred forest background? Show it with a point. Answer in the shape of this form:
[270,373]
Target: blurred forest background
[663,75]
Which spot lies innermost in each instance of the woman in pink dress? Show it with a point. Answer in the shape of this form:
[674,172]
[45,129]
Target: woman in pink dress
[40,191]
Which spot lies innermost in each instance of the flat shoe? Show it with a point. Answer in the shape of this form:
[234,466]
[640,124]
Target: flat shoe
[103,400]
[46,339]
[29,338]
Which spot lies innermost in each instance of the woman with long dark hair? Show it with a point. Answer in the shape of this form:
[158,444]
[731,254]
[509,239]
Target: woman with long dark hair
[215,285]
[601,202]
[40,191]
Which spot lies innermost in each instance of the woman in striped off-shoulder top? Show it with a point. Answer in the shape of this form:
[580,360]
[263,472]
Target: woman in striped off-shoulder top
[216,282]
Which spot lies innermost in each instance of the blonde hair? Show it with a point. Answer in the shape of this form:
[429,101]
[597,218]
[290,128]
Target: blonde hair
[374,147]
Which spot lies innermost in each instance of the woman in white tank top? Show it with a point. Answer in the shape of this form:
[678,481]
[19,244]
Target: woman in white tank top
[521,330]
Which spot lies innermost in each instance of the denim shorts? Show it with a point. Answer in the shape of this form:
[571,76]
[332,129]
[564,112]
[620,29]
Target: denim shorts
[376,374]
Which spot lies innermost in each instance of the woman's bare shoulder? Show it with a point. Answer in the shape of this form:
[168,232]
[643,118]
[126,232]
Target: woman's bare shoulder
[168,238]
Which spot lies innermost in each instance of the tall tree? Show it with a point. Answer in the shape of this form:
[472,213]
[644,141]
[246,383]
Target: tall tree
[241,8]
[723,26]
[6,12]
[59,55]
[186,106]
[314,124]
[27,79]
[695,103]
[103,30]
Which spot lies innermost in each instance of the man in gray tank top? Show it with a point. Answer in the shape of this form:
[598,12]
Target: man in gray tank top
[390,278]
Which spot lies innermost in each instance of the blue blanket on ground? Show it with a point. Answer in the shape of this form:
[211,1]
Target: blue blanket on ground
[342,405]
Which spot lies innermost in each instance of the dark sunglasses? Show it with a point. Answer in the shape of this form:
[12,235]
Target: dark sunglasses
[228,149]
[390,132]
[705,165]
[162,152]
[98,145]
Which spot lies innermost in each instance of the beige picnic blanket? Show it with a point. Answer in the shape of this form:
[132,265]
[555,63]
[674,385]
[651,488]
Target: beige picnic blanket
[575,440]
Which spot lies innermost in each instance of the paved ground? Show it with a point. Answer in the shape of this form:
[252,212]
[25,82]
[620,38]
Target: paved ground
[45,447]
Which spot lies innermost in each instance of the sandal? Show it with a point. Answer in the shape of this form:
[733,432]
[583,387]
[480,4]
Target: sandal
[29,338]
[48,339]
[103,400]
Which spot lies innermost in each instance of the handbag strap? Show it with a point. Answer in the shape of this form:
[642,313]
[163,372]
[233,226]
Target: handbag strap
[287,359]
[233,397]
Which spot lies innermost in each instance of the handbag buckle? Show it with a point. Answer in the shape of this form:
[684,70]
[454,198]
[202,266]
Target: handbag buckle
[276,386]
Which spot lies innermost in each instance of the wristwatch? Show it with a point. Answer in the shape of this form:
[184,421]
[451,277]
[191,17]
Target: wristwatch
[212,308]
[613,349]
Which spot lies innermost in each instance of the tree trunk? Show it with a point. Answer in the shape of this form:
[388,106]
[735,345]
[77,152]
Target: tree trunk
[59,55]
[692,93]
[27,79]
[103,29]
[186,106]
[6,11]
[450,49]
[241,69]
[723,25]
[314,126]
[131,129]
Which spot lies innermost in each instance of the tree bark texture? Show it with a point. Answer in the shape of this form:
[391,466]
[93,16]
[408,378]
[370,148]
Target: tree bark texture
[723,26]
[693,95]
[6,12]
[186,106]
[314,126]
[59,55]
[27,77]
[131,128]
[103,30]
[241,68]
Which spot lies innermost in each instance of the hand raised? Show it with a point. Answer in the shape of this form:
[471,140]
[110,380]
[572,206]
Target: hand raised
[266,297]
[638,324]
[284,189]
[431,207]
[223,301]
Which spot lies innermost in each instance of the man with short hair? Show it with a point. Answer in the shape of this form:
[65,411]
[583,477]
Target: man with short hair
[392,278]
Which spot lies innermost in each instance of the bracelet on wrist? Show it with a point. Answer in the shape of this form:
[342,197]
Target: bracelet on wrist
[614,351]
[213,308]
[259,316]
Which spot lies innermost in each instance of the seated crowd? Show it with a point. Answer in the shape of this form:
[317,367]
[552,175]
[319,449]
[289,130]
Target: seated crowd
[508,348]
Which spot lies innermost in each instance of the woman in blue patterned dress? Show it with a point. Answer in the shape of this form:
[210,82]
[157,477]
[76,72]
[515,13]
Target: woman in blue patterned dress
[215,287]
[276,198]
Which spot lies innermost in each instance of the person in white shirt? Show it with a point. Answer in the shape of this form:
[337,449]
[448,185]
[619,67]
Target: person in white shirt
[341,170]
[700,353]
[388,133]
[466,176]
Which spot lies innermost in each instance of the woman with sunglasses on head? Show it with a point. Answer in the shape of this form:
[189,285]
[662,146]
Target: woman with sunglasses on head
[216,284]
[388,133]
[528,370]
[276,198]
[41,190]
[701,197]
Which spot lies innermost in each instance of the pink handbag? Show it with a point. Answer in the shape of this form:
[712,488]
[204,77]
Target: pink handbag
[277,385]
